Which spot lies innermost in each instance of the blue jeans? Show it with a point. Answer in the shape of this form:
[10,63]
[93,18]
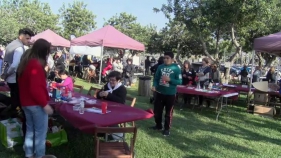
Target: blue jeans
[36,131]
[1,62]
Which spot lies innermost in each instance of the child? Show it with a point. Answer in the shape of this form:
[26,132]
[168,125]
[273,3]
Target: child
[67,80]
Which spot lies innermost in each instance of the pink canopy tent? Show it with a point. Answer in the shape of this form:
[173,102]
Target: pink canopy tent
[55,39]
[270,44]
[108,36]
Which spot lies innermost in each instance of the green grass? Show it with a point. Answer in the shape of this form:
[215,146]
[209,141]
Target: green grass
[193,134]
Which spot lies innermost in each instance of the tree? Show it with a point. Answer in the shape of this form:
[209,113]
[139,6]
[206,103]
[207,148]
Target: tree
[25,13]
[220,20]
[76,19]
[127,24]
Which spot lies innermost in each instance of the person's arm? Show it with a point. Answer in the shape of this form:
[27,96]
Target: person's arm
[39,92]
[16,60]
[178,78]
[156,78]
[66,82]
[120,98]
[207,70]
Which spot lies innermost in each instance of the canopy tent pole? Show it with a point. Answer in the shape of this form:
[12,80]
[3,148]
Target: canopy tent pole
[101,61]
[278,69]
[252,72]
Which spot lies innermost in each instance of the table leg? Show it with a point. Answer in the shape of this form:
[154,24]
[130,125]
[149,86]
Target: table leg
[220,109]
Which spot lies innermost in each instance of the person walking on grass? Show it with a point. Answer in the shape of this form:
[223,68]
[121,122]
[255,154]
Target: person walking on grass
[167,77]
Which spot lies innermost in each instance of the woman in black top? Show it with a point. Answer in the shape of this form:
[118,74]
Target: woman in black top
[128,73]
[188,74]
[188,78]
[271,75]
[114,90]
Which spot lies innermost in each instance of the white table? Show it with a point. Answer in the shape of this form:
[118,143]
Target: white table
[225,104]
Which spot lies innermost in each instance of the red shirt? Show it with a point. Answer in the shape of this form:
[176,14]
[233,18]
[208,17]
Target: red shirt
[33,86]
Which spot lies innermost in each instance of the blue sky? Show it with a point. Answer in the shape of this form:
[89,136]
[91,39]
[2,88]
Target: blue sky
[104,9]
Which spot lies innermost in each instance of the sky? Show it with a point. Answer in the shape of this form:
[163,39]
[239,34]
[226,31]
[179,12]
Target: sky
[105,9]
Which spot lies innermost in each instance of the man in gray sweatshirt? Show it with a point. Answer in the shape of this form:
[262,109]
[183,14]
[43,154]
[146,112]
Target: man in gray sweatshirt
[13,54]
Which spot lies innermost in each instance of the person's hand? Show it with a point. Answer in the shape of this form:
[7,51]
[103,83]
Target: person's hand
[153,89]
[184,75]
[47,68]
[105,94]
[101,93]
[48,109]
[166,78]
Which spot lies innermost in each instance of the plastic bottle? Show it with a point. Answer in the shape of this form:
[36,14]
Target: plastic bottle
[69,95]
[82,106]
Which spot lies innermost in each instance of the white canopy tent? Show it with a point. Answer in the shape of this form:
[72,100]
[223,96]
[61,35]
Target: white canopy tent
[86,50]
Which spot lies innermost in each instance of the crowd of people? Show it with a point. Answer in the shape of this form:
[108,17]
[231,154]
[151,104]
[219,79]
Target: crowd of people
[27,73]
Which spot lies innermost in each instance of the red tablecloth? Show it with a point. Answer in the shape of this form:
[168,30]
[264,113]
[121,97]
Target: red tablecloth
[193,91]
[86,122]
[238,88]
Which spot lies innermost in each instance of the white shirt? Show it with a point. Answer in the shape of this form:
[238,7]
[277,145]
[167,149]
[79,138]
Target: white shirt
[14,66]
[50,62]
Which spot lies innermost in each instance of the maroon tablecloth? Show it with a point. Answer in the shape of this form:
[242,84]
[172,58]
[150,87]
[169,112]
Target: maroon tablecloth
[238,88]
[86,122]
[193,91]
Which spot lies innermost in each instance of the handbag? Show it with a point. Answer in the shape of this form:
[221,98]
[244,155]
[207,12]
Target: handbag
[6,66]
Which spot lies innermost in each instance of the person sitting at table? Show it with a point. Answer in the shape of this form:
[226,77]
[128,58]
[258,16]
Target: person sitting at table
[67,81]
[188,78]
[203,76]
[215,74]
[114,90]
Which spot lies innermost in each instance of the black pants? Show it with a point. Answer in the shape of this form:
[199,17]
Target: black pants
[147,71]
[128,79]
[187,98]
[160,102]
[15,102]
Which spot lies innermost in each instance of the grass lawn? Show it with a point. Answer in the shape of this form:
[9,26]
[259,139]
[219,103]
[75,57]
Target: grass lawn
[237,134]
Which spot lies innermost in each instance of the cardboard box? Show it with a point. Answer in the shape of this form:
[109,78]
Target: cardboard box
[260,97]
[264,110]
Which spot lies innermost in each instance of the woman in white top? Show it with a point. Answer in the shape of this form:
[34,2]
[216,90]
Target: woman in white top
[117,65]
[204,77]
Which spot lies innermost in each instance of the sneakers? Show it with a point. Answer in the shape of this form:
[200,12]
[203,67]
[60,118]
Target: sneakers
[166,133]
[156,128]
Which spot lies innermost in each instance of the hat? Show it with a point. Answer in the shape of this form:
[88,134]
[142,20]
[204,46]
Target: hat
[261,86]
[92,67]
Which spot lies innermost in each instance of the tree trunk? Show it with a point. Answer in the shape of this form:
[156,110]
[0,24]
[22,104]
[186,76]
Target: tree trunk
[178,55]
[237,52]
[205,47]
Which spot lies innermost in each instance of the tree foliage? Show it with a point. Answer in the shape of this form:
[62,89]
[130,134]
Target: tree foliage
[127,24]
[76,19]
[25,13]
[214,21]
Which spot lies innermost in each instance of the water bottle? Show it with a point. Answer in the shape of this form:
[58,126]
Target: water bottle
[82,106]
[69,95]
